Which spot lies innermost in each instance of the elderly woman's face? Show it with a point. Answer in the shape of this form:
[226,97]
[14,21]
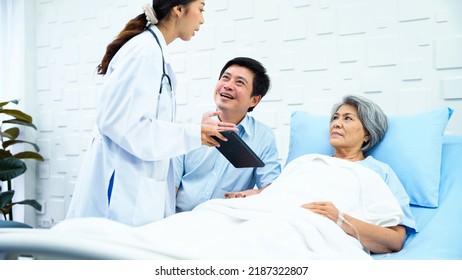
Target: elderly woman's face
[346,129]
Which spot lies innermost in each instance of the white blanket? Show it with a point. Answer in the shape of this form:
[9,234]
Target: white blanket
[271,225]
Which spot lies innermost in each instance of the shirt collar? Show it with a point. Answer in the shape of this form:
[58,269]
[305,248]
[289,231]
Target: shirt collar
[245,126]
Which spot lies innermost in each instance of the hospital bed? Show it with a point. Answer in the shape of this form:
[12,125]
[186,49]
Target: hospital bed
[435,189]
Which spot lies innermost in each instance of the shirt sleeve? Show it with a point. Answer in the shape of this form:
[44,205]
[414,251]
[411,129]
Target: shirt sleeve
[267,174]
[178,167]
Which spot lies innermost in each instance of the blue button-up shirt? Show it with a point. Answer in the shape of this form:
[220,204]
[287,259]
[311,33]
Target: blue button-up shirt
[205,173]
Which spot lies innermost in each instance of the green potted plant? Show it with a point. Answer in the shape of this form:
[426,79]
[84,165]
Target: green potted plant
[12,165]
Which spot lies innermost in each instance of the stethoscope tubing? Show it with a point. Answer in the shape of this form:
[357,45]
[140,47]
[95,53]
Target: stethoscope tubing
[169,82]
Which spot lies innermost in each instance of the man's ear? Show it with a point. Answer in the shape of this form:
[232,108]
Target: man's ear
[255,100]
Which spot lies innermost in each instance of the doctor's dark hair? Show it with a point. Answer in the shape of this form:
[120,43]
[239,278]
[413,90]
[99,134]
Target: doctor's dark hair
[371,116]
[261,80]
[135,26]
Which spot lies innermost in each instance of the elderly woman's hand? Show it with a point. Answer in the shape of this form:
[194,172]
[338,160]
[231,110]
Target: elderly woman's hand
[324,208]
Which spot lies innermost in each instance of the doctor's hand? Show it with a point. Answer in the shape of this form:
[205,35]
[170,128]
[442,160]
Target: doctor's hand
[212,127]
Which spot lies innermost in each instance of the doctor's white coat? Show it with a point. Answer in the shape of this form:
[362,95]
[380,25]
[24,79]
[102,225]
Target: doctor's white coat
[130,143]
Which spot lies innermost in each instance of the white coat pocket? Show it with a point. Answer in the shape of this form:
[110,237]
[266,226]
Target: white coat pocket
[150,201]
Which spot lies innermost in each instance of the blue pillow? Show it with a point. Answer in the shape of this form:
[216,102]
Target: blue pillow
[411,147]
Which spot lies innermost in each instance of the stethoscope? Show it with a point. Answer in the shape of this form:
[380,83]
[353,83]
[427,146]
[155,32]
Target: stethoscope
[164,80]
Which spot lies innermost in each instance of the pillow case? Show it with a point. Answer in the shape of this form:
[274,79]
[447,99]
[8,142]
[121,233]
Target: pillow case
[411,147]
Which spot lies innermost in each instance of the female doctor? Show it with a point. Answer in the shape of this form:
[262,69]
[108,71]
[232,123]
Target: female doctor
[126,175]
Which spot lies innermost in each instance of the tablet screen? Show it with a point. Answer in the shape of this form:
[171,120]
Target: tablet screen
[237,151]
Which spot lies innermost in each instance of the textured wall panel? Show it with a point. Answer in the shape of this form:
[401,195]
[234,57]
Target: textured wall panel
[56,210]
[448,53]
[412,69]
[382,51]
[42,36]
[43,171]
[286,60]
[451,88]
[348,51]
[276,89]
[294,27]
[352,19]
[373,81]
[46,121]
[227,33]
[61,119]
[268,117]
[268,9]
[325,23]
[300,3]
[43,79]
[45,147]
[242,9]
[414,9]
[315,56]
[60,165]
[294,95]
[182,94]
[57,186]
[414,101]
[88,98]
[87,122]
[72,144]
[205,39]
[200,66]
[71,99]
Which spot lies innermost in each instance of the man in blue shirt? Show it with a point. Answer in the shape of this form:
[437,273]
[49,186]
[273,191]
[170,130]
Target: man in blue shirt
[205,173]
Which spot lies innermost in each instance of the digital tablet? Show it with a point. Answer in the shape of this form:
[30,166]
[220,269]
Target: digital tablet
[237,151]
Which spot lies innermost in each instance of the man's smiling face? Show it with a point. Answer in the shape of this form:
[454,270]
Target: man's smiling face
[233,92]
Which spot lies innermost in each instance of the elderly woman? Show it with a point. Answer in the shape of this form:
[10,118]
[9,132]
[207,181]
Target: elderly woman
[356,126]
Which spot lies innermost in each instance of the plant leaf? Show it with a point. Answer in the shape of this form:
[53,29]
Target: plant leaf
[6,198]
[17,114]
[15,101]
[8,143]
[11,133]
[11,168]
[5,154]
[21,122]
[31,202]
[29,155]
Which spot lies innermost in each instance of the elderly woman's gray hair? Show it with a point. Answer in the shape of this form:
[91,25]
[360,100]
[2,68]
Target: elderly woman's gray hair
[371,116]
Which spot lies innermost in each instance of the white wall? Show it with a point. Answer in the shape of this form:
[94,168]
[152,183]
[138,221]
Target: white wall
[404,54]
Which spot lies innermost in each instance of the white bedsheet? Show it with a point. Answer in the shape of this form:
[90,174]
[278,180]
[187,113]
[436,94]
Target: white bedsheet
[271,225]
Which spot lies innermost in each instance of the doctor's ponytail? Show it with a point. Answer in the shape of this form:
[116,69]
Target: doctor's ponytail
[134,27]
